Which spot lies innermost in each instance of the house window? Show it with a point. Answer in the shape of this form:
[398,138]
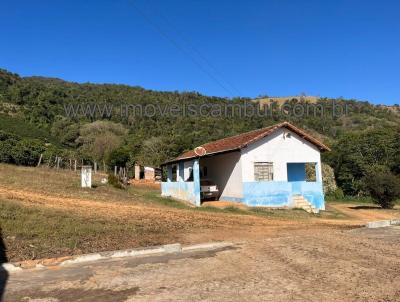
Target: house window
[311,172]
[263,171]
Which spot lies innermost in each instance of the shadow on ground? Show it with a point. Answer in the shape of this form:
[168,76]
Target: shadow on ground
[366,208]
[3,272]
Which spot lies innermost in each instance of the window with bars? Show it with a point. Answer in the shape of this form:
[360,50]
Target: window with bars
[263,171]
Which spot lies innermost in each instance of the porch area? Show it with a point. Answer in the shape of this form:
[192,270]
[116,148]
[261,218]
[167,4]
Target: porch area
[182,181]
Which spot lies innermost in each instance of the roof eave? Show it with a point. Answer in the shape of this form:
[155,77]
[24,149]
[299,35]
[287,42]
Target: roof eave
[176,160]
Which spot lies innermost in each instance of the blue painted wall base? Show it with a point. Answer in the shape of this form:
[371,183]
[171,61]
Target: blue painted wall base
[179,190]
[280,193]
[257,193]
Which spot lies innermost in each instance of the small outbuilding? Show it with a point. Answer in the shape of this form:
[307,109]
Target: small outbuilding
[277,166]
[147,173]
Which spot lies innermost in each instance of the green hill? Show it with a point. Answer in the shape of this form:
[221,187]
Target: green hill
[18,126]
[35,107]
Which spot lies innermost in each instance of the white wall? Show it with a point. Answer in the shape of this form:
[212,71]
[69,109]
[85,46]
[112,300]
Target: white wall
[280,150]
[188,166]
[226,171]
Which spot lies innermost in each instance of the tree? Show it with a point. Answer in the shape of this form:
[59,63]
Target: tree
[118,157]
[155,151]
[396,157]
[355,153]
[100,138]
[66,131]
[384,188]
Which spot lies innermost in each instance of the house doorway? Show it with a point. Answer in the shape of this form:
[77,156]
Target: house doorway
[300,172]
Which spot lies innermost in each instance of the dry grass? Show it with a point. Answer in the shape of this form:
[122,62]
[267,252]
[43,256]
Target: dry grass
[45,213]
[61,183]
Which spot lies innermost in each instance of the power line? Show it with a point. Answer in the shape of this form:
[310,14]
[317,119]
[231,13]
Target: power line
[171,40]
[190,45]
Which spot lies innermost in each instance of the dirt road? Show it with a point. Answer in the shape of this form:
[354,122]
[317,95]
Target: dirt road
[303,265]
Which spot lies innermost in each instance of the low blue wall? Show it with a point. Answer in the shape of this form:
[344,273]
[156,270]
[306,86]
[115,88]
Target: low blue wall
[313,192]
[279,193]
[257,193]
[267,193]
[184,190]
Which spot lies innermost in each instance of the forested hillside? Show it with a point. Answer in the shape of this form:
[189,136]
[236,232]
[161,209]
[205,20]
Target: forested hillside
[33,121]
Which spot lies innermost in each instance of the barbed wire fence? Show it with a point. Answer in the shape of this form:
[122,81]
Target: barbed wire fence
[75,164]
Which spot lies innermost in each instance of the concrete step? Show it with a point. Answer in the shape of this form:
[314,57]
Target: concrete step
[300,202]
[302,205]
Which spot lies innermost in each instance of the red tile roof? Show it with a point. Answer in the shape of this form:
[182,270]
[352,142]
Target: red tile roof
[240,141]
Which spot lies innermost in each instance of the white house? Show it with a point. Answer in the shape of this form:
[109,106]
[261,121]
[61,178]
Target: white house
[264,167]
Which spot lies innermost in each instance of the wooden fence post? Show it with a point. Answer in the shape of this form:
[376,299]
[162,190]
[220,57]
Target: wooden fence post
[40,159]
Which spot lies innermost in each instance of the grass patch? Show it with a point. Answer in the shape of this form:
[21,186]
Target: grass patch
[350,199]
[229,209]
[153,196]
[35,232]
[235,210]
[331,213]
[365,200]
[281,213]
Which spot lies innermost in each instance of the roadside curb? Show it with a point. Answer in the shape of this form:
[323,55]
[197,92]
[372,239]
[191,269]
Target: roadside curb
[382,223]
[175,248]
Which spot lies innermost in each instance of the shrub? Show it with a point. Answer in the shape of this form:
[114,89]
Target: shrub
[27,152]
[115,181]
[7,143]
[328,179]
[5,152]
[338,193]
[384,188]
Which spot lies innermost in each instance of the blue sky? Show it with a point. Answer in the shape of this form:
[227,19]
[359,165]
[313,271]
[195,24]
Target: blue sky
[225,48]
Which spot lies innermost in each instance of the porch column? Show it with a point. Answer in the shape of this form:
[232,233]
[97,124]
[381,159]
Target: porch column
[318,172]
[180,173]
[196,180]
[169,173]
